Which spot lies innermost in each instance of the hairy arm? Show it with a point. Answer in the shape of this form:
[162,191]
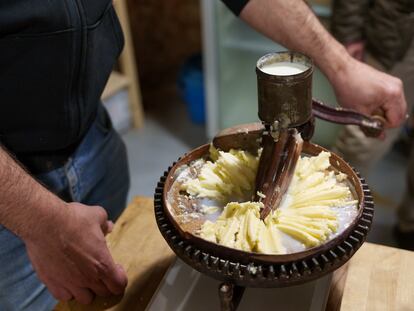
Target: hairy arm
[357,86]
[24,202]
[64,241]
[293,24]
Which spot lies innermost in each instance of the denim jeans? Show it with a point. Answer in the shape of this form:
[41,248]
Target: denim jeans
[96,174]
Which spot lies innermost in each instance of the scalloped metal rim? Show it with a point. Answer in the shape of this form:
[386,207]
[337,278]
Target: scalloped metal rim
[259,274]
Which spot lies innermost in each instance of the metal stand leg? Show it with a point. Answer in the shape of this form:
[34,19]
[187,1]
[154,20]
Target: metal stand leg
[230,296]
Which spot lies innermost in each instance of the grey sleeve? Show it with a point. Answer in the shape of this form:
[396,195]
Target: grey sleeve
[348,19]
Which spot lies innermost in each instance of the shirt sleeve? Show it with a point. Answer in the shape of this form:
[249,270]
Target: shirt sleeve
[236,6]
[348,19]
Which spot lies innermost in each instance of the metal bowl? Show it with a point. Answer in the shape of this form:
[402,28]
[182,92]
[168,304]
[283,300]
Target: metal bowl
[263,270]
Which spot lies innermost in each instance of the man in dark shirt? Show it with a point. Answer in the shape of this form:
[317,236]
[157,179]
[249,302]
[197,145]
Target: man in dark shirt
[55,60]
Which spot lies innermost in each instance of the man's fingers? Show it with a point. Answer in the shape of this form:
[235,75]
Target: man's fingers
[59,292]
[102,216]
[396,105]
[82,295]
[100,289]
[115,279]
[395,113]
[110,226]
[107,227]
[119,267]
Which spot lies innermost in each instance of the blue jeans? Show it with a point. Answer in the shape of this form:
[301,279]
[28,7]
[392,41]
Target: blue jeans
[96,174]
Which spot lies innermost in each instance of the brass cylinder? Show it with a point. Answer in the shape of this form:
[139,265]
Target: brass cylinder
[286,99]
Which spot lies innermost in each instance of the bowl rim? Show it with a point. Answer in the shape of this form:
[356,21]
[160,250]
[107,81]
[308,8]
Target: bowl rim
[244,256]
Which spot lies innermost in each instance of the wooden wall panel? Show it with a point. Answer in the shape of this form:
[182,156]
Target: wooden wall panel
[165,33]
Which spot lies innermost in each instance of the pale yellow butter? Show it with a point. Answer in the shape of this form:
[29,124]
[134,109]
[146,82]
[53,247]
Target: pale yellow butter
[308,217]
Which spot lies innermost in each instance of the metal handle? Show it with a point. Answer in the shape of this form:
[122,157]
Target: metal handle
[371,126]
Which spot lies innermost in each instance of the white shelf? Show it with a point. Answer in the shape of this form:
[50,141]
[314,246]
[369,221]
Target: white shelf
[321,10]
[239,35]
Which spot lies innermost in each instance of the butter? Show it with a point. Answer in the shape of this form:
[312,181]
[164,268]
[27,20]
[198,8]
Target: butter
[208,210]
[228,175]
[310,216]
[240,227]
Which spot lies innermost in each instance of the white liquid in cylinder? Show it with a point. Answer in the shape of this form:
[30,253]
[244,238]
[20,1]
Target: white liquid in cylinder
[284,68]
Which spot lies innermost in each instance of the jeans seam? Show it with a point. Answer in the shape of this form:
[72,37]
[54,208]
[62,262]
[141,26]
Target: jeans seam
[73,180]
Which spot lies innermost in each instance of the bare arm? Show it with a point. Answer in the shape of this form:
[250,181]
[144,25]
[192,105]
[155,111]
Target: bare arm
[65,241]
[292,23]
[24,202]
[357,85]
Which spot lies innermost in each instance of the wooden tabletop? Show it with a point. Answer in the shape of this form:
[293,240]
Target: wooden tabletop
[376,278]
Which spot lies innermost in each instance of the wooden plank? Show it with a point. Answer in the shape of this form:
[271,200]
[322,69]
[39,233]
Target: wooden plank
[129,66]
[378,278]
[136,243]
[116,82]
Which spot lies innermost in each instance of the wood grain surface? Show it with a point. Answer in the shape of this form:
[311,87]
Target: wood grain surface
[377,278]
[136,243]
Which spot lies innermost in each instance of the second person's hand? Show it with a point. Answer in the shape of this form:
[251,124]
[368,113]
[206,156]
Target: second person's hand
[356,49]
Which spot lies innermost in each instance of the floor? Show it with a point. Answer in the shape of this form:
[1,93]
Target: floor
[387,183]
[168,134]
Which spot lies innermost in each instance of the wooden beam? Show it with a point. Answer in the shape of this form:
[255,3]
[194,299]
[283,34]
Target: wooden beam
[128,66]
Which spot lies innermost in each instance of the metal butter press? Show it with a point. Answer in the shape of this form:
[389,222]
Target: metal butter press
[286,109]
[287,112]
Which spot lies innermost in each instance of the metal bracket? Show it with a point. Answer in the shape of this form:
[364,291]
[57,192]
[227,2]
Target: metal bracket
[230,296]
[275,130]
[272,129]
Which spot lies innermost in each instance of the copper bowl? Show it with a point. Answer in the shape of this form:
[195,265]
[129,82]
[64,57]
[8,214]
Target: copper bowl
[263,270]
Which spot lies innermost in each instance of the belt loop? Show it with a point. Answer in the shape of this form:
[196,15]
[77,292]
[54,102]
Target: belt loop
[73,180]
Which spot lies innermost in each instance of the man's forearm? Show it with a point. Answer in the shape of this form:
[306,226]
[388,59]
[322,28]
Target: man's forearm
[24,203]
[293,24]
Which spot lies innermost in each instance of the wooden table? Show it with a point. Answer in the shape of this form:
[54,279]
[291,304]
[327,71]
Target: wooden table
[376,278]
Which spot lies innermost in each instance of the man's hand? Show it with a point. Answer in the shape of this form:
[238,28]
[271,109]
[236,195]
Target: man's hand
[65,241]
[367,90]
[70,255]
[357,85]
[356,50]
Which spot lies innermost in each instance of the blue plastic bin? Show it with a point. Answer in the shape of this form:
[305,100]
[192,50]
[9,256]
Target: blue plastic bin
[191,85]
